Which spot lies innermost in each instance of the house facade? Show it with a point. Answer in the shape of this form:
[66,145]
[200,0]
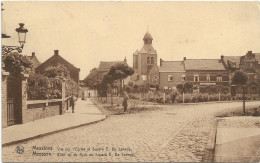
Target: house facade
[207,75]
[250,64]
[171,73]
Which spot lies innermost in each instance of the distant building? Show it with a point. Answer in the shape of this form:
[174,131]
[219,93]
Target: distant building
[104,67]
[145,63]
[55,60]
[171,74]
[91,79]
[209,75]
[249,63]
[34,60]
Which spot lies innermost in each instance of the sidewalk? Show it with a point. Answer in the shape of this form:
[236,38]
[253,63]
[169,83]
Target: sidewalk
[237,140]
[85,113]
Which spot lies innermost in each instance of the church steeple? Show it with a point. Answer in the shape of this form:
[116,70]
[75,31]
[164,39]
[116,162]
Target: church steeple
[148,39]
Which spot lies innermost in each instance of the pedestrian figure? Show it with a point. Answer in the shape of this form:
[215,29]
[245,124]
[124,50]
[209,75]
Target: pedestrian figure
[126,97]
[173,97]
[73,100]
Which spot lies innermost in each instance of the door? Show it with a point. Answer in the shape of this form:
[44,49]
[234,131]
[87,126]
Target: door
[14,107]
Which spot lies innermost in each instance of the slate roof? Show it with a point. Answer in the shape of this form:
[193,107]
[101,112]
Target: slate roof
[55,59]
[172,66]
[233,59]
[34,60]
[148,48]
[203,64]
[148,36]
[105,66]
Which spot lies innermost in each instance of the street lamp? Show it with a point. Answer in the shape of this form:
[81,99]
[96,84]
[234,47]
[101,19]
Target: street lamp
[22,37]
[21,34]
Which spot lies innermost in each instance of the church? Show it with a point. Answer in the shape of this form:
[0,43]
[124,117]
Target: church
[145,63]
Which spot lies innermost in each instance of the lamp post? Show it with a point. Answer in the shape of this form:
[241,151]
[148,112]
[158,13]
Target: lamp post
[22,37]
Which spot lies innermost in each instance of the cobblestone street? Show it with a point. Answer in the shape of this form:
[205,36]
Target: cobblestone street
[175,133]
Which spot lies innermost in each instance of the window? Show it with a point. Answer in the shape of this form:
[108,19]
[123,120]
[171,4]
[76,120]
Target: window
[165,87]
[152,60]
[148,60]
[183,77]
[208,77]
[170,78]
[196,78]
[219,78]
[155,78]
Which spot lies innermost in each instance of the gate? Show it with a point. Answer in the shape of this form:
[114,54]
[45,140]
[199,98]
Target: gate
[14,95]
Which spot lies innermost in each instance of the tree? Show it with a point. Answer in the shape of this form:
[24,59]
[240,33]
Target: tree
[56,71]
[240,79]
[188,86]
[120,71]
[180,87]
[16,63]
[117,72]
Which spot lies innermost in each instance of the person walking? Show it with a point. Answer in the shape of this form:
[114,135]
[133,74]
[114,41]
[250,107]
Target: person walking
[73,100]
[126,97]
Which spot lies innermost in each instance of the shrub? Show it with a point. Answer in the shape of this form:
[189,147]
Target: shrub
[16,63]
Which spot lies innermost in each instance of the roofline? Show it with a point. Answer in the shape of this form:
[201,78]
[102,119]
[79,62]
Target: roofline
[201,59]
[172,71]
[172,61]
[62,58]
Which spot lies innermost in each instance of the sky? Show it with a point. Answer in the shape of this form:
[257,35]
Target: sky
[86,33]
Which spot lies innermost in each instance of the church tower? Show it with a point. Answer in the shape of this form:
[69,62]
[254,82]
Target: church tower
[144,59]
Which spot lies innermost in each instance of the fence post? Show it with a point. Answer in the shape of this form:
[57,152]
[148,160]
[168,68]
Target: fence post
[24,97]
[183,97]
[163,97]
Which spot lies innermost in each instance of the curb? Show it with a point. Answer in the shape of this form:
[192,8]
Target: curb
[209,151]
[50,133]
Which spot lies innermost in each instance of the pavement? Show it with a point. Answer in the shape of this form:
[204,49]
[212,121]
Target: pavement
[238,143]
[175,133]
[85,113]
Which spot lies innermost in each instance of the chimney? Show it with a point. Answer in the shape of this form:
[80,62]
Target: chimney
[33,54]
[184,58]
[56,52]
[249,52]
[125,60]
[222,57]
[161,61]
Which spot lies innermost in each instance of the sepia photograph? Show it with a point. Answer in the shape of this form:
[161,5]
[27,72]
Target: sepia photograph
[130,81]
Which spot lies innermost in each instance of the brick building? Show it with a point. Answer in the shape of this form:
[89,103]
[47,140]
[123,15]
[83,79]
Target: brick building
[250,63]
[171,73]
[209,75]
[57,59]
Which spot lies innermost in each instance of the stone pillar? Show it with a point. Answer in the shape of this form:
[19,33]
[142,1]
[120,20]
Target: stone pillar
[4,98]
[24,115]
[63,92]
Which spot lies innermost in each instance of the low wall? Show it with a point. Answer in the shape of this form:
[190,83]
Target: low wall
[40,111]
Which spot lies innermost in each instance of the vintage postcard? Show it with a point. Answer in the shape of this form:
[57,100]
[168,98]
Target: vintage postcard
[130,81]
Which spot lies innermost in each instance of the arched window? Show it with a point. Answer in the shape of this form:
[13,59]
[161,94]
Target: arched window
[152,60]
[148,60]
